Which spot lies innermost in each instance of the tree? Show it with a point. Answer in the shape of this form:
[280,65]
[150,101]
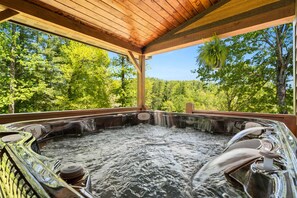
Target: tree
[173,95]
[257,64]
[86,77]
[157,93]
[278,41]
[28,73]
[168,106]
[124,71]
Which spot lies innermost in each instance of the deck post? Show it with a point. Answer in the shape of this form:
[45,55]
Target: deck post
[141,83]
[294,60]
[190,107]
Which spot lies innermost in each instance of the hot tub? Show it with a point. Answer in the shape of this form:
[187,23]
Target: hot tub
[149,154]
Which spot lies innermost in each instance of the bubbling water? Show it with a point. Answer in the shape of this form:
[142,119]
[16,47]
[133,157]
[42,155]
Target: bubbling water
[146,161]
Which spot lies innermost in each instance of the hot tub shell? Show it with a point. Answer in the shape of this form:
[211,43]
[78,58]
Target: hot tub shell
[39,174]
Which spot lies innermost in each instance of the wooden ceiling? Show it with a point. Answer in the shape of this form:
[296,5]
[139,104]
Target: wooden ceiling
[146,26]
[136,21]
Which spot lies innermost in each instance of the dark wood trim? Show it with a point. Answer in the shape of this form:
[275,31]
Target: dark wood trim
[65,22]
[17,117]
[7,14]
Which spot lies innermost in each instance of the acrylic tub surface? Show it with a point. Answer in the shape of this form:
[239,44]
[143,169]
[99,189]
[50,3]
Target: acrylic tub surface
[152,154]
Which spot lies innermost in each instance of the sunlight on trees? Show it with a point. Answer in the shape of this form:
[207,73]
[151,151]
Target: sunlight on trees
[86,77]
[256,73]
[42,72]
[124,72]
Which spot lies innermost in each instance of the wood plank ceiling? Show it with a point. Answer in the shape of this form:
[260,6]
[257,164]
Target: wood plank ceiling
[136,21]
[126,25]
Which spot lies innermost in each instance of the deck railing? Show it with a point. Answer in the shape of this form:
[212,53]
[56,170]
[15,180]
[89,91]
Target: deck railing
[9,118]
[288,119]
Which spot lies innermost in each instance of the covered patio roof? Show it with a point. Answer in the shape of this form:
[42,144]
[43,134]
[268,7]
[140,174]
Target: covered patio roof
[147,26]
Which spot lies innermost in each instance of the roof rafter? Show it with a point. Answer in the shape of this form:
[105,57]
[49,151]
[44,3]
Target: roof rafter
[7,14]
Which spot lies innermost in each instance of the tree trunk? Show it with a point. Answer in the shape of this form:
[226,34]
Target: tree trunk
[281,90]
[123,86]
[281,68]
[11,106]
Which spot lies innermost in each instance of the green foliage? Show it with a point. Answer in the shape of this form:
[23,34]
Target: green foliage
[173,95]
[41,72]
[125,90]
[157,93]
[255,74]
[28,69]
[213,54]
[86,76]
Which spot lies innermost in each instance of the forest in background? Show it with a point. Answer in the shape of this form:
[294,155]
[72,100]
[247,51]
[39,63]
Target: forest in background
[43,72]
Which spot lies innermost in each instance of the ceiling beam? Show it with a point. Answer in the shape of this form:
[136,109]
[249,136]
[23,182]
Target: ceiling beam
[260,18]
[65,22]
[7,14]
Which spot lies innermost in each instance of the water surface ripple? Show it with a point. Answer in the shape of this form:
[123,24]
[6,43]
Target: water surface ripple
[145,161]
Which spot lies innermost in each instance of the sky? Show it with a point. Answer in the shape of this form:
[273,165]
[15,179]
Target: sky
[174,65]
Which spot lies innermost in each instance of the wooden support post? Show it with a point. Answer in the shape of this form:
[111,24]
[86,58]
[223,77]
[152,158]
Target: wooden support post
[140,67]
[141,83]
[7,14]
[190,107]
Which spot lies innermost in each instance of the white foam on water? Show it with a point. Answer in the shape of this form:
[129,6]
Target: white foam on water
[144,161]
